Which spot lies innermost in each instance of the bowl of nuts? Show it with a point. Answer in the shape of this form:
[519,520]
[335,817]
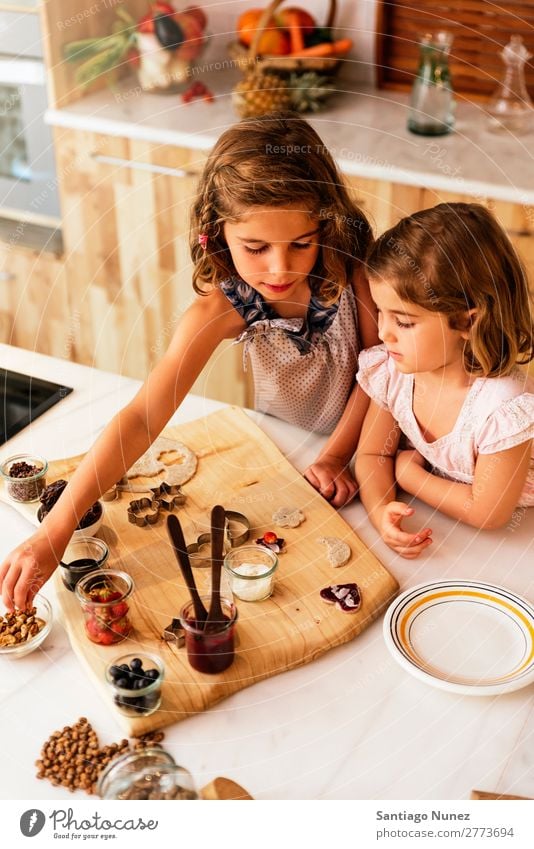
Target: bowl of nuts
[23,631]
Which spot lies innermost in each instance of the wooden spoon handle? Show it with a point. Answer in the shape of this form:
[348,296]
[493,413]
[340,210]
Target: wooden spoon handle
[176,534]
[218,521]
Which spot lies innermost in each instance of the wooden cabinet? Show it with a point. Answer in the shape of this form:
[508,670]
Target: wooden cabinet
[34,303]
[126,211]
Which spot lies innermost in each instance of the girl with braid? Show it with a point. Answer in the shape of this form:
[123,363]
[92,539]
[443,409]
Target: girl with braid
[277,248]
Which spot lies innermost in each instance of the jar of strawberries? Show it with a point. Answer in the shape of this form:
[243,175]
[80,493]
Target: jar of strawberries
[104,600]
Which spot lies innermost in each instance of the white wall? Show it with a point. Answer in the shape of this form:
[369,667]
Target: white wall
[355,19]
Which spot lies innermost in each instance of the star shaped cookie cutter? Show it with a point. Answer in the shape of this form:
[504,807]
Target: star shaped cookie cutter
[145,511]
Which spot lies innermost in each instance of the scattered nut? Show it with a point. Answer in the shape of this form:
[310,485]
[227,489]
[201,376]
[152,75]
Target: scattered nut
[19,626]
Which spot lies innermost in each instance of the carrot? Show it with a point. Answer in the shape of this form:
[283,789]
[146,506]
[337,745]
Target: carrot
[326,48]
[295,32]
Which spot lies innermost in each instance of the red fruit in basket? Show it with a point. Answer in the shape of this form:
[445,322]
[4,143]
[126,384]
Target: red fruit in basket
[146,23]
[197,13]
[303,18]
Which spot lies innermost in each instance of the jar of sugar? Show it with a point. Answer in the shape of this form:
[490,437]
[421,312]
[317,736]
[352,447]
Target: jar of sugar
[251,570]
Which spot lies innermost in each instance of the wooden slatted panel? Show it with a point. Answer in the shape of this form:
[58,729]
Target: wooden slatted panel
[481,29]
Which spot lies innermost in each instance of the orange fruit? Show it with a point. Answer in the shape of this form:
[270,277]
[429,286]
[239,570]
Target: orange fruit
[305,21]
[247,24]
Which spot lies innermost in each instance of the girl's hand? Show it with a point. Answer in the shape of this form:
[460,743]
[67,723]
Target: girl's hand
[389,524]
[408,465]
[25,570]
[333,480]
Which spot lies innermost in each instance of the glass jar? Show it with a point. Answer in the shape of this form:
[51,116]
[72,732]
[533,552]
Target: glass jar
[103,597]
[136,680]
[212,650]
[510,107]
[149,773]
[24,476]
[82,555]
[251,569]
[432,102]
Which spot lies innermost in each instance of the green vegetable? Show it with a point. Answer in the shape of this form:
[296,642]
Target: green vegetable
[101,55]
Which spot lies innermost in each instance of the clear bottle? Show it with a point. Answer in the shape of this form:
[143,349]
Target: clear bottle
[432,103]
[149,773]
[510,108]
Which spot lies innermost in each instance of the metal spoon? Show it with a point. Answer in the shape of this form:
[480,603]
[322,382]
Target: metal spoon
[176,534]
[218,523]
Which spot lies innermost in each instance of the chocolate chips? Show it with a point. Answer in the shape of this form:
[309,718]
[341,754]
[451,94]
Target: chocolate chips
[25,481]
[51,494]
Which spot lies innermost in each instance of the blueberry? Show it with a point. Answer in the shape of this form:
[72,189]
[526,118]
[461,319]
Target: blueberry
[124,683]
[152,674]
[139,684]
[116,672]
[124,667]
[136,664]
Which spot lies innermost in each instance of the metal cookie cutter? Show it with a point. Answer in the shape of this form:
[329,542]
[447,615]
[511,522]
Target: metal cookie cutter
[173,490]
[232,539]
[174,633]
[138,516]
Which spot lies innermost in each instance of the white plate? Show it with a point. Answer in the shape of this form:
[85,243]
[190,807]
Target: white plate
[463,636]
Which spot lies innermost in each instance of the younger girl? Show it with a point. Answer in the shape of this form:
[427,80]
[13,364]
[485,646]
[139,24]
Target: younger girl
[454,316]
[277,247]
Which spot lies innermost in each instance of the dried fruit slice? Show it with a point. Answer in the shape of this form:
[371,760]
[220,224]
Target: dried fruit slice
[346,597]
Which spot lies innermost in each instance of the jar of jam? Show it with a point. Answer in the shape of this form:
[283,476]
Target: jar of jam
[82,555]
[209,649]
[103,597]
[148,773]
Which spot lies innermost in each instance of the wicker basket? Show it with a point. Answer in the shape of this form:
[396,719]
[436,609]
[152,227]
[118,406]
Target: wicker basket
[247,57]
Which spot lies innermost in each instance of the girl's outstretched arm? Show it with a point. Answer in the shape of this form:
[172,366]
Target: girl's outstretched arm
[488,502]
[207,322]
[375,462]
[330,473]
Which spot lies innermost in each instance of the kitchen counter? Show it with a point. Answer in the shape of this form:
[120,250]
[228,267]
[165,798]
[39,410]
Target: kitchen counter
[350,725]
[364,128]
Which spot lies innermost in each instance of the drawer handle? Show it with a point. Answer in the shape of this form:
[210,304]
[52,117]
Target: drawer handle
[142,166]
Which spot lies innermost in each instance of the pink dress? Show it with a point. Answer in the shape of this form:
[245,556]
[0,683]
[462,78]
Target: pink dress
[498,413]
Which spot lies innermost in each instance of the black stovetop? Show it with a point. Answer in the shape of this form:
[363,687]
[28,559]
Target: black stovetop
[23,399]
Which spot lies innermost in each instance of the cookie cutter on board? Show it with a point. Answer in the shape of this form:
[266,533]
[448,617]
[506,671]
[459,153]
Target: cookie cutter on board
[136,510]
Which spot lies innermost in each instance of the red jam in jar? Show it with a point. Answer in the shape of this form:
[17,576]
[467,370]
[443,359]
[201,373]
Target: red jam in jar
[210,650]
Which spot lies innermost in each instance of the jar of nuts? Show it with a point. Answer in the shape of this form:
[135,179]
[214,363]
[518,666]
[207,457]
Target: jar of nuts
[24,476]
[149,773]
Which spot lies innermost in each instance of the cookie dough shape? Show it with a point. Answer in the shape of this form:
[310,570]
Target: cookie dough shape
[176,473]
[288,517]
[338,552]
[346,597]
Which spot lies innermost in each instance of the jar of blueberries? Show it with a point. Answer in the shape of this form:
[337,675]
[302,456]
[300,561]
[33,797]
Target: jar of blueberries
[148,773]
[135,680]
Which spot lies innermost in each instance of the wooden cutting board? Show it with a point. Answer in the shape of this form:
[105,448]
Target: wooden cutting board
[240,468]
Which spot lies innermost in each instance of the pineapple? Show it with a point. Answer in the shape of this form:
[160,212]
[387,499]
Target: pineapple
[262,92]
[309,91]
[259,93]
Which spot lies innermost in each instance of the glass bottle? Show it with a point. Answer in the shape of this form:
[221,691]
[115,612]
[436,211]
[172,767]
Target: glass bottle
[432,103]
[510,108]
[149,773]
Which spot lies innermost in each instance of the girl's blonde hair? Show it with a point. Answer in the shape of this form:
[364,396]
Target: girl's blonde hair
[456,257]
[276,161]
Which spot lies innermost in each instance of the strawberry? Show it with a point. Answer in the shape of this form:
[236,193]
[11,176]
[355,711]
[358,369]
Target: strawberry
[122,627]
[119,610]
[106,638]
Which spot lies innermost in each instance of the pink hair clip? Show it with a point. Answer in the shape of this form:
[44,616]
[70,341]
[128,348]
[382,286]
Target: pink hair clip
[203,241]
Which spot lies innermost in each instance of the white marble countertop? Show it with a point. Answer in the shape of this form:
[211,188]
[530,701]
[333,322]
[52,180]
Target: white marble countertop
[350,725]
[364,128]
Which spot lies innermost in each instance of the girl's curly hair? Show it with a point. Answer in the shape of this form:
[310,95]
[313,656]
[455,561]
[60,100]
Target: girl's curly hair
[277,161]
[456,257]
